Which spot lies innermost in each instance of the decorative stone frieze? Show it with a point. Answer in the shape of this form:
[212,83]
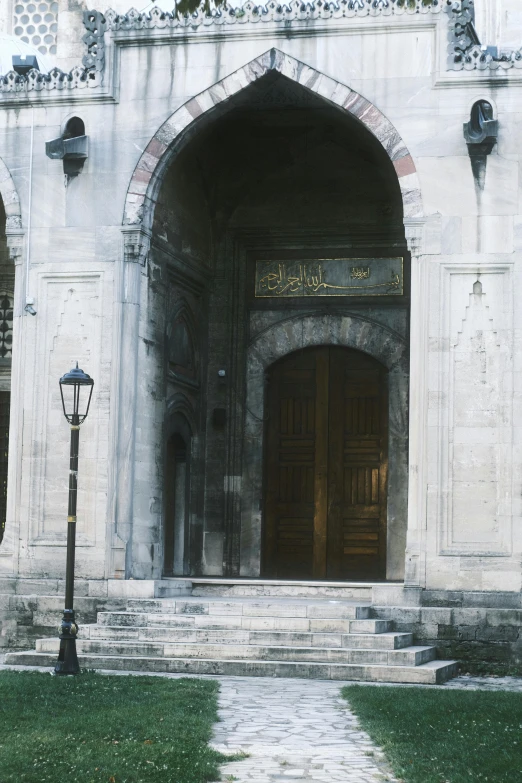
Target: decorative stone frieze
[465,51]
[292,11]
[34,81]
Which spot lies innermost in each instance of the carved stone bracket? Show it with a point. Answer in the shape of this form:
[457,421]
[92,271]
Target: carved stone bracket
[414,231]
[136,244]
[15,244]
[95,24]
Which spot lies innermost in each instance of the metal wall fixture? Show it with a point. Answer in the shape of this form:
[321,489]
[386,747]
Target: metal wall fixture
[72,147]
[480,134]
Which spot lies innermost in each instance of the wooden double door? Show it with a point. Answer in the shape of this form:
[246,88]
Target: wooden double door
[326,466]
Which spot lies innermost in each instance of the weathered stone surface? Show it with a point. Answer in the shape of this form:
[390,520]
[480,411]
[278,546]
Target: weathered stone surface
[388,168]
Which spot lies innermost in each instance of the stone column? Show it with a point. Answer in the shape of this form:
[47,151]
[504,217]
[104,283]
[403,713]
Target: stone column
[126,318]
[9,546]
[415,568]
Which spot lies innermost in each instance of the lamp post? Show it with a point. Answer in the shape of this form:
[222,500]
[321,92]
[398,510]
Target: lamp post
[76,391]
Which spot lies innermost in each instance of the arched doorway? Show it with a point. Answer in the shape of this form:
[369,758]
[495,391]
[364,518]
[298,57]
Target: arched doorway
[177,483]
[277,181]
[326,460]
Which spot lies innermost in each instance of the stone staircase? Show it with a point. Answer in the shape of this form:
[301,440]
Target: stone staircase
[231,632]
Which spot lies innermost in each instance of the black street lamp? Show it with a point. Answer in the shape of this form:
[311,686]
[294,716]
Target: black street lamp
[76,390]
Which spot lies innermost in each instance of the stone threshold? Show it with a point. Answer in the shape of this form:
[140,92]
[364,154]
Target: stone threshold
[217,580]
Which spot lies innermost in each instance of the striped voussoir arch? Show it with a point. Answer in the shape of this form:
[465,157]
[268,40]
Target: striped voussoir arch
[147,175]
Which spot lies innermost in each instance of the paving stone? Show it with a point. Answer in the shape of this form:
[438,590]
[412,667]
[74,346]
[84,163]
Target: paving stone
[320,741]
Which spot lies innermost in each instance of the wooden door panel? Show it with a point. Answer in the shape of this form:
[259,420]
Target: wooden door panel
[361,400]
[290,468]
[361,485]
[326,466]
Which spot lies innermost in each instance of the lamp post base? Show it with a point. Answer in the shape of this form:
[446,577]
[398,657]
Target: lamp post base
[67,662]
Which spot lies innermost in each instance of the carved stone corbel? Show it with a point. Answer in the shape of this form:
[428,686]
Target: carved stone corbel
[136,244]
[15,244]
[414,231]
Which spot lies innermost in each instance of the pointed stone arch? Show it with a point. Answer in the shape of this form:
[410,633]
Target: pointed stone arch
[10,199]
[147,175]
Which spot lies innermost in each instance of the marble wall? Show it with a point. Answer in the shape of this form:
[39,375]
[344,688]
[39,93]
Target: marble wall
[101,294]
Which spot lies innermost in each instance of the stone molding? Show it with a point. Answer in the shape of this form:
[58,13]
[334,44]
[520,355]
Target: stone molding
[291,11]
[464,49]
[147,177]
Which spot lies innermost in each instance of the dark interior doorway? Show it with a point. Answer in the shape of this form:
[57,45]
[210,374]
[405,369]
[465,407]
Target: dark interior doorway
[176,505]
[326,466]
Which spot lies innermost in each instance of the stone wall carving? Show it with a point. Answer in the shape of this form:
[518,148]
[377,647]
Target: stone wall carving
[6,323]
[37,23]
[291,11]
[89,74]
[475,413]
[181,343]
[464,48]
[71,309]
[465,51]
[34,81]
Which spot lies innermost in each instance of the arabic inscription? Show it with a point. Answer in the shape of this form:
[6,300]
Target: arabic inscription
[330,277]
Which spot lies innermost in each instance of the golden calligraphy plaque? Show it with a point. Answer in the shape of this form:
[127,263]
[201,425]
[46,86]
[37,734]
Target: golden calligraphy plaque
[330,277]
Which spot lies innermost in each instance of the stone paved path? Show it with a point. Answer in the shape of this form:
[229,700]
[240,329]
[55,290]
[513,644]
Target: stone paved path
[293,730]
[301,730]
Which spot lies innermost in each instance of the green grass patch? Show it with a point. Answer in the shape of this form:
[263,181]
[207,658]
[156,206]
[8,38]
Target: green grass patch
[443,736]
[106,729]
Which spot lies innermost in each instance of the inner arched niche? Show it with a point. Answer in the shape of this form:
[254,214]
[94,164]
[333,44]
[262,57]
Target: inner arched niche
[274,170]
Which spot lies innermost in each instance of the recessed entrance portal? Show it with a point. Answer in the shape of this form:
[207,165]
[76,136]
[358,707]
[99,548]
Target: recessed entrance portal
[326,466]
[279,228]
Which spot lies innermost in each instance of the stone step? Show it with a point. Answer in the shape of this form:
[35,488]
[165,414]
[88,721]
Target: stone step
[384,641]
[433,672]
[410,656]
[263,608]
[249,623]
[280,588]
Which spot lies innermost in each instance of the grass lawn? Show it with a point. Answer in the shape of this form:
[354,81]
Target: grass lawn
[435,736]
[101,729]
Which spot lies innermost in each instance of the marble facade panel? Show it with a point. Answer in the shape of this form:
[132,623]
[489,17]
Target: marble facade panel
[385,78]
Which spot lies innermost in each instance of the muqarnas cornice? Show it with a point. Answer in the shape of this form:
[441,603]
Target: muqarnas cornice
[292,11]
[465,52]
[464,49]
